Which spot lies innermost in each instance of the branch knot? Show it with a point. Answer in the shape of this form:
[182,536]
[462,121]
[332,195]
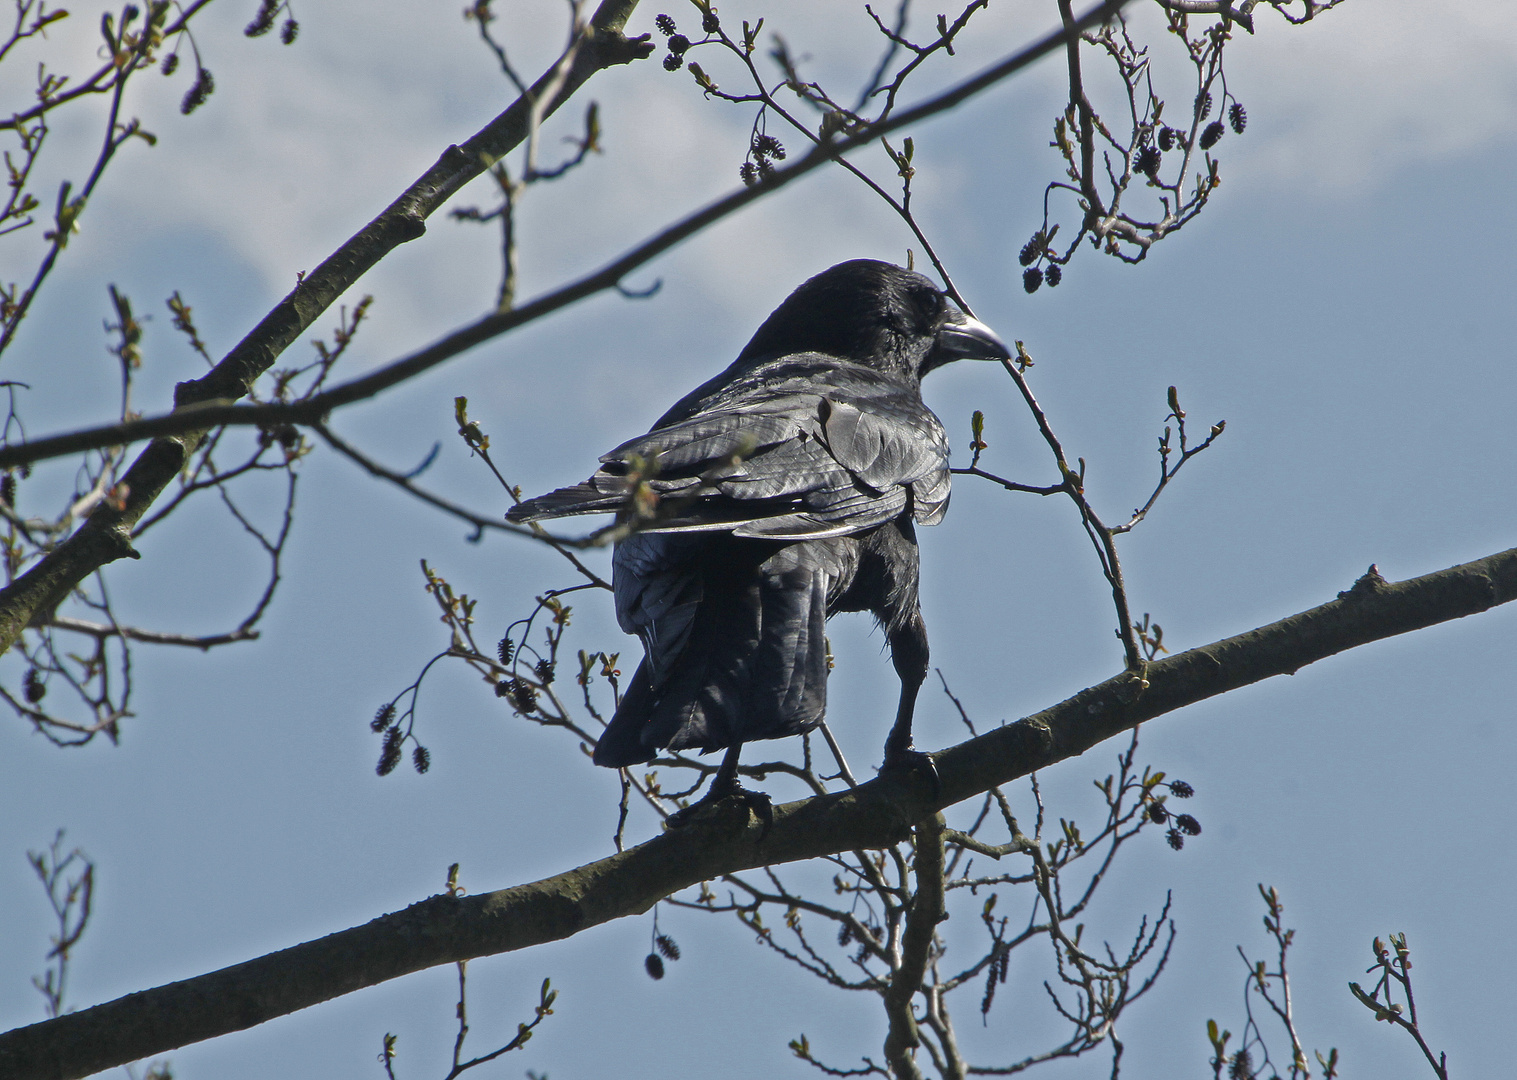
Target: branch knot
[1371,583]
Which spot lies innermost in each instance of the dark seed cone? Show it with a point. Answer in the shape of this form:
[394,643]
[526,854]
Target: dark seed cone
[389,754]
[383,718]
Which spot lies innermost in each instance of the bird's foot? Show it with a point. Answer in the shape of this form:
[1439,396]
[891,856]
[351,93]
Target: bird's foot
[914,762]
[757,802]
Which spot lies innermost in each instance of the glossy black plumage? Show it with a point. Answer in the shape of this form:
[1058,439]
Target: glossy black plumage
[783,490]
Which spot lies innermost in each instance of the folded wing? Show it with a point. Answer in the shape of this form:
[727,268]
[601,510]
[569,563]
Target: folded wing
[801,448]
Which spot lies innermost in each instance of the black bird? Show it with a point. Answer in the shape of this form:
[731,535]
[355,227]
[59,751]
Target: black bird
[783,490]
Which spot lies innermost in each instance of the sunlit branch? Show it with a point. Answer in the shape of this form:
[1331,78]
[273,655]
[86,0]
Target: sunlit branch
[214,413]
[446,929]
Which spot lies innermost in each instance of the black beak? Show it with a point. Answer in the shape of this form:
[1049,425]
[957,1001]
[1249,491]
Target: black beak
[963,337]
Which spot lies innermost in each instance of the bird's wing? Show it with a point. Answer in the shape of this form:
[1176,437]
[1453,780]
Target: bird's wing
[658,591]
[803,448]
[901,445]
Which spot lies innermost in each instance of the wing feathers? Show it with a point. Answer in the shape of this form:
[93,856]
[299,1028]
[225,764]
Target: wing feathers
[803,447]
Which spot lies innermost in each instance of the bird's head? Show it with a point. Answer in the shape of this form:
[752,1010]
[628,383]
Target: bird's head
[873,313]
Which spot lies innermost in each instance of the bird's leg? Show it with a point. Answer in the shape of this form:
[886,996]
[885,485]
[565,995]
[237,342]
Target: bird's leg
[725,786]
[908,651]
[725,782]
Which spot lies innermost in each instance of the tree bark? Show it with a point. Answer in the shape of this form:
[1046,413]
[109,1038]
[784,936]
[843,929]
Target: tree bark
[445,929]
[106,535]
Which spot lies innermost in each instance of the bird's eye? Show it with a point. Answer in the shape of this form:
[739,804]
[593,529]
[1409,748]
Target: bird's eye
[931,305]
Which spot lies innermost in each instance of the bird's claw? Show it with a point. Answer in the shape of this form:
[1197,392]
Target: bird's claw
[762,807]
[757,802]
[915,762]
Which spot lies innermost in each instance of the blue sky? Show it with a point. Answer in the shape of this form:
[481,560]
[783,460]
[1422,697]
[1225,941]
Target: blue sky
[1340,305]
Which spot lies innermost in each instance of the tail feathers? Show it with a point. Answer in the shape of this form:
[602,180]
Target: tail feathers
[583,498]
[754,667]
[621,745]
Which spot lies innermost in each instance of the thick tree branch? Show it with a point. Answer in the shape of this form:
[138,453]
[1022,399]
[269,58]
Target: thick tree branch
[446,929]
[106,536]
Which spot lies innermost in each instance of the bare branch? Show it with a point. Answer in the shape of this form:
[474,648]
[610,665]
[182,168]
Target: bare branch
[107,535]
[446,929]
[1240,13]
[209,411]
[406,482]
[150,637]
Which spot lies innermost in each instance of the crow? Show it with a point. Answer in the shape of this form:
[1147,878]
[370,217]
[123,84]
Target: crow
[783,490]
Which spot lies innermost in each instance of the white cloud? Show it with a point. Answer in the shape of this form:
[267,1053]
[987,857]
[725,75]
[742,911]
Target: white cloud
[1368,88]
[302,145]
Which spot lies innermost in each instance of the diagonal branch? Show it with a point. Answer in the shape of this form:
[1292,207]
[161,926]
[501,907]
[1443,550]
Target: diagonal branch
[446,929]
[106,536]
[211,411]
[207,403]
[406,483]
[152,637]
